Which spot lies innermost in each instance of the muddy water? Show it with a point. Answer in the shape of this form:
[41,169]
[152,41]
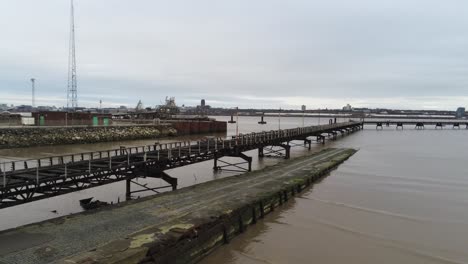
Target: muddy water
[188,175]
[403,198]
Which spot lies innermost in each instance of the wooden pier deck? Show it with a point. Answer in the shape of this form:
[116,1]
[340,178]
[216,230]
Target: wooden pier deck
[174,227]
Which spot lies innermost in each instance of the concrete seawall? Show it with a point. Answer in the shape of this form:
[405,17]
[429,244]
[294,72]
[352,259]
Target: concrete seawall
[176,227]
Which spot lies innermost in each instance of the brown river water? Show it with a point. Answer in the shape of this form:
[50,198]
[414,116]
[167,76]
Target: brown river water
[402,198]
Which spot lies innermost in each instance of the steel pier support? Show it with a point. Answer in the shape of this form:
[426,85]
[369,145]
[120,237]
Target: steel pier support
[161,174]
[270,152]
[241,155]
[171,180]
[287,149]
[128,189]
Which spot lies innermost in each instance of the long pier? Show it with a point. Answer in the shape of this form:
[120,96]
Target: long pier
[175,227]
[30,180]
[417,123]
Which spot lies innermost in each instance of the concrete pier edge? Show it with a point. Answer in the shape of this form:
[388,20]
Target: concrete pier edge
[187,238]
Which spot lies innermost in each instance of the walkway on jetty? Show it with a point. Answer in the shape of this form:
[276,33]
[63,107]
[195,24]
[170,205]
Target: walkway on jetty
[30,180]
[174,227]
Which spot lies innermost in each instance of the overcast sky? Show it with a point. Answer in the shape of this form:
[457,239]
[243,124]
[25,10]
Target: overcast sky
[408,54]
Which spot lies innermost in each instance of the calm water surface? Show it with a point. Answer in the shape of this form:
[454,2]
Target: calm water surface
[402,198]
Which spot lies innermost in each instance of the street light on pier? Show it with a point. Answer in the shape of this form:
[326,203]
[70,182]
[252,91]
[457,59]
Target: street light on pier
[303,108]
[237,122]
[319,116]
[303,113]
[279,119]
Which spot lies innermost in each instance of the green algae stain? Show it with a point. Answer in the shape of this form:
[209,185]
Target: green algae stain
[207,247]
[228,212]
[166,229]
[140,240]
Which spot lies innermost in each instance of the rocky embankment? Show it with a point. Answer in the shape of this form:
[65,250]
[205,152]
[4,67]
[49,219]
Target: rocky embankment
[27,137]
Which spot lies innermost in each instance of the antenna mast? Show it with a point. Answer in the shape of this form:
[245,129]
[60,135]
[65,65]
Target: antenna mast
[72,97]
[33,92]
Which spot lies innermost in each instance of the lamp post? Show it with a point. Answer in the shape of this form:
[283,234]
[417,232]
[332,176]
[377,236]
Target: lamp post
[319,116]
[237,122]
[279,119]
[33,82]
[303,113]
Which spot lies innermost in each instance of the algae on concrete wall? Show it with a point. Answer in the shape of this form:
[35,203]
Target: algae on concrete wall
[27,137]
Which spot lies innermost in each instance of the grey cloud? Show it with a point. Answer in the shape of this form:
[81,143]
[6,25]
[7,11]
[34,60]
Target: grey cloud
[337,50]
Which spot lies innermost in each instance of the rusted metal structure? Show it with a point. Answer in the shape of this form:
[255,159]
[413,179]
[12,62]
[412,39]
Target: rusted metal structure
[31,180]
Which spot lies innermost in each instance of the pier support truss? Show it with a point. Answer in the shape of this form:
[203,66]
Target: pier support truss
[276,151]
[144,187]
[233,166]
[419,125]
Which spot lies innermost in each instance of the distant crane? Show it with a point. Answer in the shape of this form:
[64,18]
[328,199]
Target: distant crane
[72,97]
[33,82]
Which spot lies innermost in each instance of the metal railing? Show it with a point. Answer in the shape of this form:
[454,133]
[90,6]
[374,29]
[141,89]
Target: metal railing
[167,150]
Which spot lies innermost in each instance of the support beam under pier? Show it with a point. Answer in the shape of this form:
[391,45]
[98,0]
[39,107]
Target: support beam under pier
[270,152]
[159,174]
[308,142]
[237,166]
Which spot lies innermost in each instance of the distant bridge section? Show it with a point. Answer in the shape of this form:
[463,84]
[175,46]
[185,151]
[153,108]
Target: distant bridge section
[417,123]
